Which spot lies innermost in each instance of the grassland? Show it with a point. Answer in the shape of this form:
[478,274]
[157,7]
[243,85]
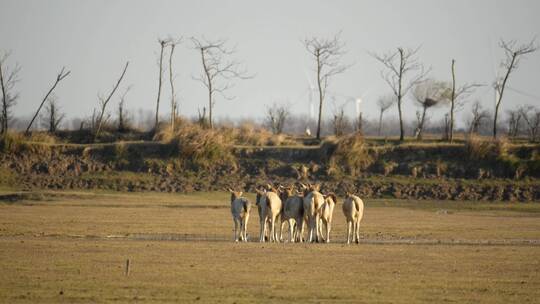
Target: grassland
[72,247]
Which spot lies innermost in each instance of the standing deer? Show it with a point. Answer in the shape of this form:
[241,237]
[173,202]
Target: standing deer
[269,206]
[353,209]
[240,209]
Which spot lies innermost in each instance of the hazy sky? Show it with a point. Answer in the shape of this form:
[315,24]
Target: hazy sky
[94,39]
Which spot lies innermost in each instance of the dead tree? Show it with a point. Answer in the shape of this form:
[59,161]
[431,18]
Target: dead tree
[513,53]
[531,116]
[201,119]
[98,122]
[427,94]
[59,78]
[123,121]
[163,44]
[478,116]
[457,99]
[276,115]
[359,124]
[53,117]
[174,104]
[399,65]
[339,121]
[9,76]
[514,121]
[327,54]
[384,103]
[218,71]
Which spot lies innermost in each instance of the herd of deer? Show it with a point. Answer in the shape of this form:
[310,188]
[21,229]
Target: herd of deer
[298,208]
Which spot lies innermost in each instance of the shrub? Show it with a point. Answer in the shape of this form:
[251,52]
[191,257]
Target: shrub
[533,164]
[198,147]
[350,155]
[42,137]
[248,134]
[385,167]
[12,143]
[440,168]
[481,149]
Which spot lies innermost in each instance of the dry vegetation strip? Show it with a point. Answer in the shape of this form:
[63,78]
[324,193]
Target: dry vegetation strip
[45,257]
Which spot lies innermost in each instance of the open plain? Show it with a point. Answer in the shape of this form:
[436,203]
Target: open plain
[73,247]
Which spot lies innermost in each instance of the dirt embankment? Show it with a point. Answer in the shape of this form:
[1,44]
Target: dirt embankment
[428,172]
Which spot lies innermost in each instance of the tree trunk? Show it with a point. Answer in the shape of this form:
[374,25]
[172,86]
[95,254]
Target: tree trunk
[210,91]
[173,99]
[497,105]
[210,123]
[3,127]
[421,126]
[100,122]
[399,97]
[380,122]
[159,84]
[58,79]
[321,96]
[453,103]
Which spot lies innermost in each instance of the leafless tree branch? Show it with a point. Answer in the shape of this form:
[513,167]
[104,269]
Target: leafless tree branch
[104,101]
[402,71]
[513,53]
[63,74]
[9,76]
[218,70]
[327,53]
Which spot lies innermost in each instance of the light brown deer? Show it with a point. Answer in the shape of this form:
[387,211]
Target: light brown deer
[240,209]
[353,209]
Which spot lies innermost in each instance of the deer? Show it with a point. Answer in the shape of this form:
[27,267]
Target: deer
[240,209]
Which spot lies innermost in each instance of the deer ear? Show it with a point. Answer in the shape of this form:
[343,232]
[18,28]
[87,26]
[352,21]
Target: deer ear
[230,190]
[240,193]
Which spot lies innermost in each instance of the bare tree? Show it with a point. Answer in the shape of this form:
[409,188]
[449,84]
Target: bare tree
[327,54]
[513,53]
[427,94]
[514,121]
[201,118]
[531,116]
[359,123]
[9,76]
[340,121]
[163,44]
[384,103]
[478,116]
[53,117]
[98,118]
[63,74]
[399,65]
[457,99]
[218,71]
[174,104]
[123,120]
[276,115]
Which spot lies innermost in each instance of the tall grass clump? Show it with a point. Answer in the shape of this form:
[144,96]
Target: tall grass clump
[496,155]
[12,142]
[350,156]
[42,137]
[249,134]
[198,147]
[477,148]
[15,142]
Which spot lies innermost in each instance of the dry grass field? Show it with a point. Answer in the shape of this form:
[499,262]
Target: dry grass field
[72,247]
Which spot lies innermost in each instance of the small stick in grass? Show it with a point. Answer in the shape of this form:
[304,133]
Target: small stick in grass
[128,262]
